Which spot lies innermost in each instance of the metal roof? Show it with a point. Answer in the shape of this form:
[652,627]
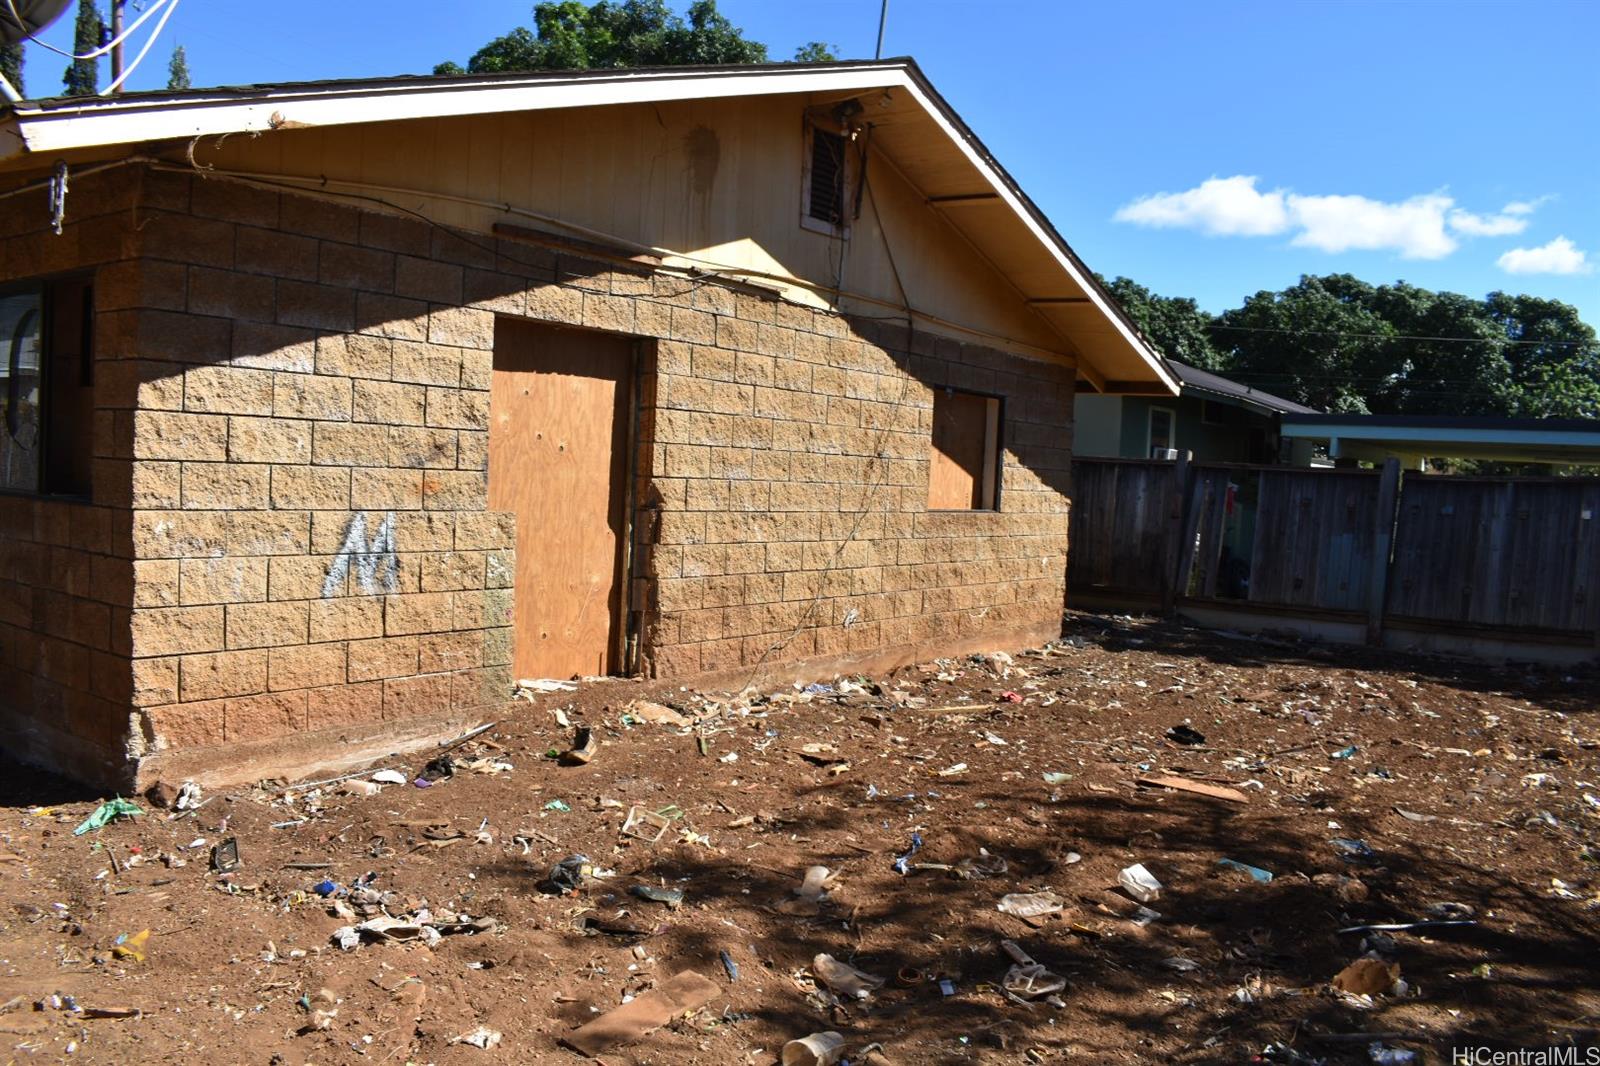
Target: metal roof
[1529,440]
[1195,380]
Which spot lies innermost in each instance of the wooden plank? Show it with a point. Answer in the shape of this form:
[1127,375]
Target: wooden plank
[1198,788]
[557,460]
[1187,548]
[1176,525]
[1216,523]
[1382,539]
[631,1022]
[957,453]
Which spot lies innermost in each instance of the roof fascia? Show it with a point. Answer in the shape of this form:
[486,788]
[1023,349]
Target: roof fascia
[134,120]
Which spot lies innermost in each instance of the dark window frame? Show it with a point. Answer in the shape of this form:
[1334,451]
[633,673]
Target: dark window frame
[51,480]
[849,179]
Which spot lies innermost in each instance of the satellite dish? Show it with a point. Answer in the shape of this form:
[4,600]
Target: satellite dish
[35,16]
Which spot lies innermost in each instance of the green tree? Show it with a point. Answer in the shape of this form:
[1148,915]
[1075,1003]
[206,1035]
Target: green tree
[815,52]
[1176,325]
[568,35]
[178,69]
[83,76]
[1316,342]
[11,65]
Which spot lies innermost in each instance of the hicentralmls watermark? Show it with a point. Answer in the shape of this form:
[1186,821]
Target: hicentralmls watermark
[1529,1056]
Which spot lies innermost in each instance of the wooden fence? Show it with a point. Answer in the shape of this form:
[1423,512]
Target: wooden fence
[1503,555]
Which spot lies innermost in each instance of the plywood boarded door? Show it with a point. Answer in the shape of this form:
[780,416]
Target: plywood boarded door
[558,440]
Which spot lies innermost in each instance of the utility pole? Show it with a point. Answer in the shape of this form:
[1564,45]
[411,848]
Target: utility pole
[116,49]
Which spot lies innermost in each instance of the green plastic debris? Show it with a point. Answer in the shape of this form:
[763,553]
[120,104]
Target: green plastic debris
[557,805]
[105,813]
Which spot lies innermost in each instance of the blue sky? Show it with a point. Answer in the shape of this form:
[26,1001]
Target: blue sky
[1208,150]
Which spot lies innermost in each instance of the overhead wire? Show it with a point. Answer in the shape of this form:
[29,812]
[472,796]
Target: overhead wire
[103,49]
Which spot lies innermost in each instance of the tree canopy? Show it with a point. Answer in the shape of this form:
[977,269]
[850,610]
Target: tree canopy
[83,76]
[570,35]
[178,69]
[11,65]
[1343,345]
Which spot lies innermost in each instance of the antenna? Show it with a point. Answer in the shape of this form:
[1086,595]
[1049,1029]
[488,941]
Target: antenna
[883,17]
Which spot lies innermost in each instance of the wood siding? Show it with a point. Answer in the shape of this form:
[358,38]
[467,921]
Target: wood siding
[717,179]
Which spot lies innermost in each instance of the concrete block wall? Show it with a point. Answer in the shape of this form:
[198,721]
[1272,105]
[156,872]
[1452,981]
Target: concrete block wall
[66,572]
[306,420]
[791,458]
[291,456]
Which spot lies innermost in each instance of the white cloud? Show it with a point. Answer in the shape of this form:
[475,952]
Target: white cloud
[1421,227]
[1513,218]
[1219,207]
[1560,256]
[1415,228]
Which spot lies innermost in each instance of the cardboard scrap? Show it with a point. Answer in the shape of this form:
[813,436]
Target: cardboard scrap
[1199,788]
[1367,977]
[677,995]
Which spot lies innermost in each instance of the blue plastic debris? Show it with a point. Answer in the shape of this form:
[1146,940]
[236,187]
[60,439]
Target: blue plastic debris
[900,864]
[1353,850]
[1344,753]
[325,888]
[731,966]
[1256,873]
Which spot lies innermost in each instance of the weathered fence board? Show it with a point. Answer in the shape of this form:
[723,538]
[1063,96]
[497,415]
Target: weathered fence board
[1503,553]
[1124,541]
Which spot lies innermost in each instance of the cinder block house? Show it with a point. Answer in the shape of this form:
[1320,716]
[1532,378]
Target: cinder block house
[331,408]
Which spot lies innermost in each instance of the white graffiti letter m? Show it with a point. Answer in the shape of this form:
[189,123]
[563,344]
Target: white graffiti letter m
[377,566]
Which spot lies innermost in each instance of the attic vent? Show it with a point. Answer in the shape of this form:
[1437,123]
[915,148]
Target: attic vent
[826,203]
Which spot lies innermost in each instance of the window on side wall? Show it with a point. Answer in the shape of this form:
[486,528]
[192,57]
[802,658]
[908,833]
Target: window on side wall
[964,456]
[46,387]
[829,179]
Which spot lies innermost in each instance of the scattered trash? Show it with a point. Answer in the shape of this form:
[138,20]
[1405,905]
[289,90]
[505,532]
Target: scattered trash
[843,978]
[1389,1056]
[655,714]
[1344,753]
[568,875]
[1180,964]
[389,777]
[1010,697]
[1353,850]
[1400,927]
[131,947]
[1256,873]
[1186,734]
[188,797]
[1030,904]
[1367,977]
[1449,911]
[107,812]
[672,897]
[1028,979]
[225,856]
[952,771]
[901,864]
[530,685]
[584,747]
[813,886]
[481,1037]
[729,965]
[1056,778]
[731,757]
[1140,883]
[643,825]
[1198,788]
[325,888]
[558,806]
[438,768]
[677,995]
[1413,816]
[818,1049]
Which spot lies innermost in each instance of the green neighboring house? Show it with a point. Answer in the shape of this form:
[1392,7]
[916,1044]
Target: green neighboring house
[1216,419]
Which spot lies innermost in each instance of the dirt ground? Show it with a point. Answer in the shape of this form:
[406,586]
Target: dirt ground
[1471,785]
